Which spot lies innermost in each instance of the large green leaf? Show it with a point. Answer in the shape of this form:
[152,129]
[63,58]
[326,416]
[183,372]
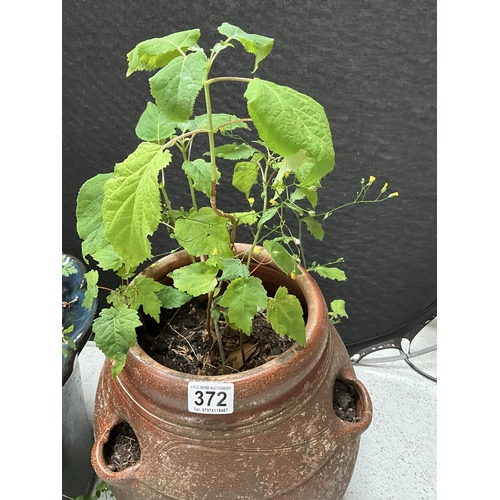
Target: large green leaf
[158,52]
[131,207]
[332,273]
[115,334]
[244,298]
[195,279]
[92,291]
[218,119]
[285,314]
[234,151]
[176,86]
[200,172]
[289,122]
[282,258]
[232,269]
[203,232]
[245,176]
[171,298]
[89,223]
[258,45]
[315,228]
[143,292]
[153,125]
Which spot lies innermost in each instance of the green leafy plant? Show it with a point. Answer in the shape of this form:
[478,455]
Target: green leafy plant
[278,172]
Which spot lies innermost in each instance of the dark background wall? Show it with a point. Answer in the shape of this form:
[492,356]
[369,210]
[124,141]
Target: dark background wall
[371,64]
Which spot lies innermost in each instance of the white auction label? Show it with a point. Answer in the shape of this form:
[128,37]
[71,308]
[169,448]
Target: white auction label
[211,397]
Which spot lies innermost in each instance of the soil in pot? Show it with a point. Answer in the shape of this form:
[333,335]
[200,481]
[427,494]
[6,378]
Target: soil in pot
[181,342]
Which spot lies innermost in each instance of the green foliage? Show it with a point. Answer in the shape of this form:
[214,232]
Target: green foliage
[153,125]
[337,311]
[284,312]
[292,123]
[115,334]
[68,267]
[203,232]
[92,277]
[254,44]
[278,170]
[244,298]
[131,206]
[158,52]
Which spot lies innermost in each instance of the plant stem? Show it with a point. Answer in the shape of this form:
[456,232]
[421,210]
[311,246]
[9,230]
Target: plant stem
[219,340]
[228,79]
[182,148]
[264,208]
[167,201]
[242,350]
[211,141]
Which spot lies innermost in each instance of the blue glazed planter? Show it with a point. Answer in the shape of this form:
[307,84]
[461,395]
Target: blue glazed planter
[77,433]
[73,293]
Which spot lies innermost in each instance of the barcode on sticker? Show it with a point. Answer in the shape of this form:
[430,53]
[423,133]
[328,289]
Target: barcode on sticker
[211,397]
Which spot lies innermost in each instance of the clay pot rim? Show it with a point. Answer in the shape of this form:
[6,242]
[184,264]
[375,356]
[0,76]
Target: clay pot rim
[295,356]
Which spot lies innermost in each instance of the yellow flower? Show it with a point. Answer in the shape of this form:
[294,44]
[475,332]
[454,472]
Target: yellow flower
[272,201]
[393,194]
[384,189]
[215,251]
[372,178]
[256,251]
[293,275]
[287,174]
[251,201]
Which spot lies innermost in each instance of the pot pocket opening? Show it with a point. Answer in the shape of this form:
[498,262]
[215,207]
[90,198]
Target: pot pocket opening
[345,401]
[122,450]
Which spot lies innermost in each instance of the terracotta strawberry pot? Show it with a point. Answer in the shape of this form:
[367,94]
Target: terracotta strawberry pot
[282,440]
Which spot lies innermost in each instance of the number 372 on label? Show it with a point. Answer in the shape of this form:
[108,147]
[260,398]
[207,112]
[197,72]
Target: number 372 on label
[211,397]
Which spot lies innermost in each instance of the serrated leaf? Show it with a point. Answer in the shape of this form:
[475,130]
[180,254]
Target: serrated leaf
[288,122]
[245,176]
[89,222]
[285,314]
[232,269]
[218,119]
[332,273]
[195,279]
[200,172]
[244,299]
[258,45]
[108,258]
[153,125]
[92,277]
[248,218]
[267,215]
[68,266]
[282,258]
[234,151]
[309,193]
[171,298]
[115,334]
[314,227]
[176,86]
[143,292]
[131,206]
[158,52]
[203,232]
[338,309]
